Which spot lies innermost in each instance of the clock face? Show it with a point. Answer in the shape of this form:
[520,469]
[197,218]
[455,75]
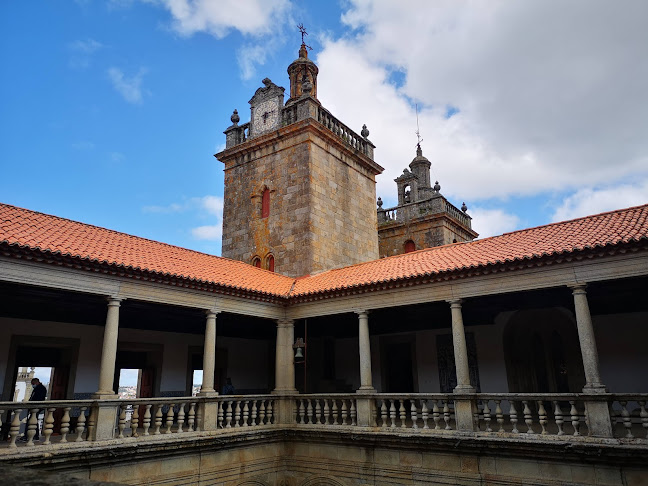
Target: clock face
[266,116]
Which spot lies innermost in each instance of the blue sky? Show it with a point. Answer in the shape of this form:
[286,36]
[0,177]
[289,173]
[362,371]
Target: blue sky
[111,111]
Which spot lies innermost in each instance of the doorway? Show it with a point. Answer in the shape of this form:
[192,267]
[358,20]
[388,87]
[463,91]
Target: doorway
[398,364]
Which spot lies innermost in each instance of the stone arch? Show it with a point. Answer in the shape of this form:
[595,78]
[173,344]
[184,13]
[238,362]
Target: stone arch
[270,262]
[256,261]
[322,481]
[542,352]
[409,246]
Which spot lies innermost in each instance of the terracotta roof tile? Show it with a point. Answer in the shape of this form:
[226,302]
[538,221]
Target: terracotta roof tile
[43,232]
[621,226]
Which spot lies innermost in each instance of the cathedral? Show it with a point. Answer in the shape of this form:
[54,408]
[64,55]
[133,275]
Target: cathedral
[335,342]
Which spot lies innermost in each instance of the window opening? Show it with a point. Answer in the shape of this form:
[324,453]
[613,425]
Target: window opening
[265,203]
[256,262]
[409,246]
[270,263]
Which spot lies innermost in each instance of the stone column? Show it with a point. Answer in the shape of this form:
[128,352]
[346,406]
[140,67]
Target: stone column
[366,404]
[599,422]
[284,371]
[209,356]
[465,407]
[587,340]
[284,359]
[364,346]
[105,413]
[460,349]
[109,351]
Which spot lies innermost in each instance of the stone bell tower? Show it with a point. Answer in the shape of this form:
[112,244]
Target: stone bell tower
[299,184]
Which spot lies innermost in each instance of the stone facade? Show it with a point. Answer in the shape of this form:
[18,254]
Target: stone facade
[320,176]
[423,217]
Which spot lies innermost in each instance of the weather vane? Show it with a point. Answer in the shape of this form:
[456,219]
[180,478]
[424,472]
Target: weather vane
[302,29]
[418,133]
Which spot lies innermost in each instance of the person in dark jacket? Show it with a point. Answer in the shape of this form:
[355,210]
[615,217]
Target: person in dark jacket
[38,394]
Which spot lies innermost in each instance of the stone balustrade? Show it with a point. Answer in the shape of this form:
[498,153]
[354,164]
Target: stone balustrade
[343,132]
[507,414]
[329,409]
[434,205]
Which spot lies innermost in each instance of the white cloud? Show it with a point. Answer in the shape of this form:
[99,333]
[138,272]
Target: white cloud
[129,87]
[549,98]
[252,17]
[213,204]
[210,232]
[597,200]
[492,222]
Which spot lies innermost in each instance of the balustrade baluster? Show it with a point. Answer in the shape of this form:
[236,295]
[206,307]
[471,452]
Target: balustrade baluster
[326,412]
[383,414]
[48,425]
[542,417]
[221,414]
[302,412]
[436,416]
[499,415]
[574,417]
[199,412]
[14,429]
[513,417]
[392,414]
[487,416]
[558,417]
[625,416]
[413,412]
[191,417]
[344,412]
[262,413]
[32,425]
[169,418]
[318,411]
[122,421]
[92,422]
[644,416]
[354,414]
[80,428]
[402,413]
[335,412]
[134,420]
[253,414]
[246,413]
[228,415]
[528,418]
[446,415]
[237,414]
[181,417]
[269,412]
[146,423]
[424,414]
[309,411]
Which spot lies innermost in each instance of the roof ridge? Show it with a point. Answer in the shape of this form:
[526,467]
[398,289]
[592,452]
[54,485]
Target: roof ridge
[138,238]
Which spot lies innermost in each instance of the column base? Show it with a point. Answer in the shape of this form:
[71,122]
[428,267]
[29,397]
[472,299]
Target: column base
[366,390]
[595,388]
[207,394]
[284,391]
[465,389]
[100,395]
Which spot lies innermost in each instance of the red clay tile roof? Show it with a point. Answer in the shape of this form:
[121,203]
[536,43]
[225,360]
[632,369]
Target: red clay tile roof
[43,232]
[38,231]
[621,226]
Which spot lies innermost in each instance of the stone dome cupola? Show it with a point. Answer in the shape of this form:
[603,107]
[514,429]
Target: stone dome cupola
[302,71]
[420,167]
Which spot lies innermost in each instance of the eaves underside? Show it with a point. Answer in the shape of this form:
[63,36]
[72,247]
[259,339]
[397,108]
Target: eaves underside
[144,275]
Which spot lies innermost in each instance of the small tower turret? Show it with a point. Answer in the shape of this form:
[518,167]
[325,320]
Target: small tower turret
[302,71]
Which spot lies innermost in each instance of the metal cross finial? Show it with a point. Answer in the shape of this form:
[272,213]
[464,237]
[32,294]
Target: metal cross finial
[418,133]
[302,29]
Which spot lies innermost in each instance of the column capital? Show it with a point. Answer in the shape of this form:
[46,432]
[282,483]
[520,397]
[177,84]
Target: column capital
[362,312]
[455,303]
[578,288]
[212,312]
[285,322]
[114,301]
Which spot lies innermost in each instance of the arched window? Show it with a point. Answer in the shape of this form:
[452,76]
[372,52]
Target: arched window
[270,263]
[265,203]
[256,262]
[409,246]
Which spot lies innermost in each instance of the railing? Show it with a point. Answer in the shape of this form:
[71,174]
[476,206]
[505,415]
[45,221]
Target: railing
[417,411]
[326,410]
[434,205]
[245,411]
[345,133]
[509,414]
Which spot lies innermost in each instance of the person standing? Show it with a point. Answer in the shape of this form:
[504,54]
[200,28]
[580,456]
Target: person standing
[38,394]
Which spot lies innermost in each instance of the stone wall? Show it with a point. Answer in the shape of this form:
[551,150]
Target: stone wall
[322,197]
